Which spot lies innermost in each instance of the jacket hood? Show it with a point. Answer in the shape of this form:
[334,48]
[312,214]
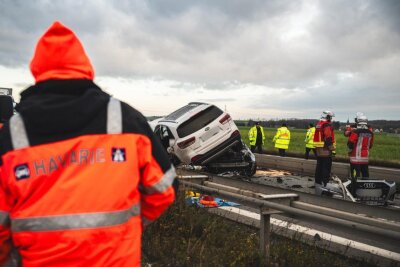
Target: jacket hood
[59,55]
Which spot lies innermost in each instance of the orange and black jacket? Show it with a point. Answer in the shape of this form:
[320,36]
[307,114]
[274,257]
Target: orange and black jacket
[80,174]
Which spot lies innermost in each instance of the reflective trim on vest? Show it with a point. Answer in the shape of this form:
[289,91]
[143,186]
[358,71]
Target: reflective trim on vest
[310,138]
[359,147]
[253,135]
[281,146]
[76,221]
[162,185]
[4,218]
[282,138]
[358,160]
[319,144]
[361,150]
[19,138]
[114,116]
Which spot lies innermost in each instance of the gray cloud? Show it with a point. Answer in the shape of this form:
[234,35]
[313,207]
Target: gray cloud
[215,100]
[341,53]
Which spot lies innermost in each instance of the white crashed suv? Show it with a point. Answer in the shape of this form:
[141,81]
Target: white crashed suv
[202,134]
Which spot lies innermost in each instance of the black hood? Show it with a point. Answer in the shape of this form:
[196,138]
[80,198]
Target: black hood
[61,106]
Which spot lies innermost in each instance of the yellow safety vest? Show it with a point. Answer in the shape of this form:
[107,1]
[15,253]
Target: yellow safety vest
[253,135]
[310,138]
[282,138]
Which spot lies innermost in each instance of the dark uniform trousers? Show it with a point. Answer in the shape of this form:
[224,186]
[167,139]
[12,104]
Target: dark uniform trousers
[323,170]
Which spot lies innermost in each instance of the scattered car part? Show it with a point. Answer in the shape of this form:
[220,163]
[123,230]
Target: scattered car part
[368,191]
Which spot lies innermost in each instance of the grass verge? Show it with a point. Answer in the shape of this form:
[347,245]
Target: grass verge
[385,151]
[190,236]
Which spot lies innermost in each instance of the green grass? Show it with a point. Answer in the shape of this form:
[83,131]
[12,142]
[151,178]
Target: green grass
[386,147]
[190,236]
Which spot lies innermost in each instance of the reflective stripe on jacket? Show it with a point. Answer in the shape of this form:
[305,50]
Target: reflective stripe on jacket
[310,138]
[359,143]
[324,139]
[81,201]
[282,138]
[323,132]
[253,135]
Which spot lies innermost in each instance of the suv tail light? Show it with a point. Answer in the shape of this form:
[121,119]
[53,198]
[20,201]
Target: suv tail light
[225,119]
[235,133]
[186,143]
[195,158]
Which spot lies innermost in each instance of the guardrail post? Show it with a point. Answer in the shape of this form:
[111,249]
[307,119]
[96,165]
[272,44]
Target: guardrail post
[265,234]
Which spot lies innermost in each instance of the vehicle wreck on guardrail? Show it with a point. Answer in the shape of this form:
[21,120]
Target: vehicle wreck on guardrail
[201,134]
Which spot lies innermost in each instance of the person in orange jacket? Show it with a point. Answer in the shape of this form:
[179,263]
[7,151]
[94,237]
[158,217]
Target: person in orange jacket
[81,173]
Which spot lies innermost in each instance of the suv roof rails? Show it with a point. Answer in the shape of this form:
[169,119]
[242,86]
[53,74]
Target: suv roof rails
[198,103]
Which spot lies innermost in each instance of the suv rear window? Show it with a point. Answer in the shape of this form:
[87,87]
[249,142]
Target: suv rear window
[199,121]
[180,112]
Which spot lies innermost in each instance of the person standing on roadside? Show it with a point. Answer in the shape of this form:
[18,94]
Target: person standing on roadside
[310,141]
[6,109]
[360,141]
[351,127]
[81,173]
[256,137]
[282,139]
[324,140]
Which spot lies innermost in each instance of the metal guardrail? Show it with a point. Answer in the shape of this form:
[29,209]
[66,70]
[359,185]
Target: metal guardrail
[290,205]
[325,202]
[307,167]
[394,226]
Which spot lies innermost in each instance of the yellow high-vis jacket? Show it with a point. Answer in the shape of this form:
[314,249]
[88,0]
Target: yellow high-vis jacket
[310,138]
[282,138]
[253,135]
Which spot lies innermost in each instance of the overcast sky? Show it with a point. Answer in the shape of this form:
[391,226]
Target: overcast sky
[256,59]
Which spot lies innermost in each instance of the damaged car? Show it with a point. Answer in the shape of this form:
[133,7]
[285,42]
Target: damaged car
[201,134]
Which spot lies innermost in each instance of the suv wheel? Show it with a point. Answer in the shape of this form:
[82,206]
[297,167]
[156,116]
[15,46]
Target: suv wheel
[250,170]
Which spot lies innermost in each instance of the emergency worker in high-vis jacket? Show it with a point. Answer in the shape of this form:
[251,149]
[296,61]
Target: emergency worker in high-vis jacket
[81,173]
[360,141]
[256,137]
[309,140]
[282,139]
[324,141]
